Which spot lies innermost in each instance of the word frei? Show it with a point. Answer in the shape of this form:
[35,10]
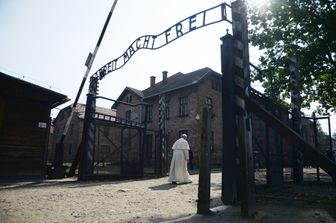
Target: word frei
[199,20]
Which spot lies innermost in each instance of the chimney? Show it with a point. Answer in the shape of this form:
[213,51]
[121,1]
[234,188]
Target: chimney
[152,81]
[164,77]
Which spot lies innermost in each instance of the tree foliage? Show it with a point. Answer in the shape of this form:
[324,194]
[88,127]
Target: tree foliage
[302,28]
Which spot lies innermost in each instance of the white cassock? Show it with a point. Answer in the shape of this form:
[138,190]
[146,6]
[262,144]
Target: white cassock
[178,166]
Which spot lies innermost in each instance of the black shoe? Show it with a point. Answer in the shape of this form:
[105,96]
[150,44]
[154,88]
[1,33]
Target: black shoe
[173,182]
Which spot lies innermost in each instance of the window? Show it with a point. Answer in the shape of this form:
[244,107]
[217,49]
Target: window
[150,113]
[129,99]
[128,115]
[215,84]
[183,102]
[208,102]
[167,111]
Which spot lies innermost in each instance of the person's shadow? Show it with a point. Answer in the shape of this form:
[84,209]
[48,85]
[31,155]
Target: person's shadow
[166,186]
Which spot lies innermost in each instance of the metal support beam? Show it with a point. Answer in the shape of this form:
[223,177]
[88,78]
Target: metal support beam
[162,124]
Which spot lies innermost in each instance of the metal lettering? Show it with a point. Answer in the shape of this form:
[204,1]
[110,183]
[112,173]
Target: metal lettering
[153,37]
[223,12]
[126,57]
[179,32]
[109,66]
[146,41]
[137,43]
[204,13]
[167,32]
[154,42]
[192,20]
[131,50]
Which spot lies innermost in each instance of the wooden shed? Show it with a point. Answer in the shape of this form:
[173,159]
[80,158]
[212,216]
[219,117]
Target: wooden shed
[24,126]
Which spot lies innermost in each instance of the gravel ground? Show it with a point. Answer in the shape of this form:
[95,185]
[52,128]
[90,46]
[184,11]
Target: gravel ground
[155,200]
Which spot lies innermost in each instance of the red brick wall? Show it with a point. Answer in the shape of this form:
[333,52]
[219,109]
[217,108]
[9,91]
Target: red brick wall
[136,111]
[196,101]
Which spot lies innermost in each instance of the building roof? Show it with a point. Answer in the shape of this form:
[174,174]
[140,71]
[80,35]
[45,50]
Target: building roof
[177,81]
[15,87]
[136,91]
[80,110]
[174,82]
[127,90]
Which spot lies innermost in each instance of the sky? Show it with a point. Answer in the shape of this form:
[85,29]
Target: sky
[47,43]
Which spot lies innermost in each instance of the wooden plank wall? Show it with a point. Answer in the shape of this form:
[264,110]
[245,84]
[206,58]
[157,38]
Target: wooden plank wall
[22,142]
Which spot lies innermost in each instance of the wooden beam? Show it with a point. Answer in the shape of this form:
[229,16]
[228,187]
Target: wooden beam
[315,155]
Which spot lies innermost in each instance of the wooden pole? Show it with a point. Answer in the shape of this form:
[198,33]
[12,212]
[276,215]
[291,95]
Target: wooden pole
[230,156]
[242,84]
[293,137]
[203,204]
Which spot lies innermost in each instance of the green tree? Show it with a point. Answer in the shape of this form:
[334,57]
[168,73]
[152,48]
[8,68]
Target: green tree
[302,28]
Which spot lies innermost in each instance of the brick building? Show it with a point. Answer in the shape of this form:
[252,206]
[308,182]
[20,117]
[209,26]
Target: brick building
[185,97]
[74,135]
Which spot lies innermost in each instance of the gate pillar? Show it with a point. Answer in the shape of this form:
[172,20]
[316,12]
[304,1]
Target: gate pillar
[88,138]
[230,165]
[241,77]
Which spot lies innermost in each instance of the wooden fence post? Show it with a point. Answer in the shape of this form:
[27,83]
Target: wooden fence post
[203,203]
[242,84]
[230,160]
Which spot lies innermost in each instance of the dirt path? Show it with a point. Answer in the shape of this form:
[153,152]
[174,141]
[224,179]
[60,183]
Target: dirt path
[145,200]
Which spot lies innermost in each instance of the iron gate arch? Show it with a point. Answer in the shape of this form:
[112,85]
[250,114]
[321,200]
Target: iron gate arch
[151,42]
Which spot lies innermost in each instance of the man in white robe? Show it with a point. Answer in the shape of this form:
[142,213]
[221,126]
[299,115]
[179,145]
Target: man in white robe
[179,163]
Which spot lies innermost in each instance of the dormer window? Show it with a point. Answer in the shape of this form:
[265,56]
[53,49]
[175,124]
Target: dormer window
[129,99]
